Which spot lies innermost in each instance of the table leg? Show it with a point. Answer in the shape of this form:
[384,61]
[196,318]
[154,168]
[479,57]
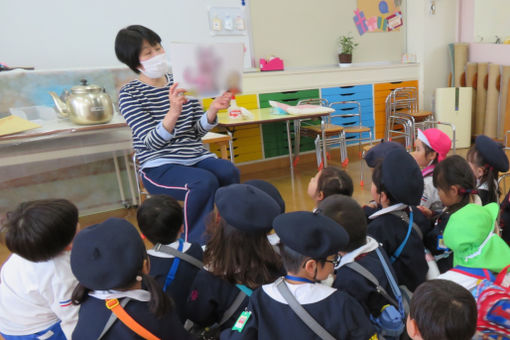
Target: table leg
[324,143]
[119,180]
[135,200]
[223,150]
[289,142]
[297,137]
[230,146]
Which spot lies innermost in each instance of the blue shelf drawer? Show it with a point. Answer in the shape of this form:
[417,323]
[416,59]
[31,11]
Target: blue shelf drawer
[355,92]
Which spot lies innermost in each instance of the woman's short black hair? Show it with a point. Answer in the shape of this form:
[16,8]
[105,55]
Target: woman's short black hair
[334,180]
[40,230]
[349,214]
[160,218]
[128,44]
[443,310]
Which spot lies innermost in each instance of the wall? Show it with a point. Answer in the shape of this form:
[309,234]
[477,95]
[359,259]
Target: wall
[428,36]
[304,33]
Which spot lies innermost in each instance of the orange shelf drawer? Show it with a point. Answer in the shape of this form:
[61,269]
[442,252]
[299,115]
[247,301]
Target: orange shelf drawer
[393,85]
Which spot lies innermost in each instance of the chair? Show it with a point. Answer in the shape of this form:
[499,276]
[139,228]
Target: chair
[334,134]
[403,115]
[142,192]
[350,119]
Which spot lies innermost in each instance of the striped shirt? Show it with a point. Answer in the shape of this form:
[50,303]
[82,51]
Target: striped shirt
[144,106]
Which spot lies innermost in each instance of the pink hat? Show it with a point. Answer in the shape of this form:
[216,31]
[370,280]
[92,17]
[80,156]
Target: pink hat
[437,140]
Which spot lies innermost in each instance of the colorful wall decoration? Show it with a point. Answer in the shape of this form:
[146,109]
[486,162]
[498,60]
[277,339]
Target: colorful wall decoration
[378,16]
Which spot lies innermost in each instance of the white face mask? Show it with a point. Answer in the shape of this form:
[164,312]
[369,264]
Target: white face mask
[155,67]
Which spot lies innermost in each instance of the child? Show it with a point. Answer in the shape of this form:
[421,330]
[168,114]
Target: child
[431,147]
[238,257]
[487,159]
[272,191]
[397,183]
[442,309]
[329,181]
[455,185]
[160,219]
[111,264]
[478,252]
[362,250]
[309,247]
[373,156]
[36,281]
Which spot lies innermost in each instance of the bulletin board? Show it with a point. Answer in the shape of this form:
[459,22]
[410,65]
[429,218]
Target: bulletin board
[378,16]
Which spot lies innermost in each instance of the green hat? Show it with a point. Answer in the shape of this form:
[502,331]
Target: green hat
[470,235]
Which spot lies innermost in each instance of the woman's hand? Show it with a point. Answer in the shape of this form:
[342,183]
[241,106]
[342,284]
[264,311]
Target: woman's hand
[219,103]
[425,211]
[177,100]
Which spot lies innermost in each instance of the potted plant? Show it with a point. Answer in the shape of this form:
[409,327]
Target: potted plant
[346,44]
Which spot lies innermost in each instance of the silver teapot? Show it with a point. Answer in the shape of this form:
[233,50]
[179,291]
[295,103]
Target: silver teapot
[86,104]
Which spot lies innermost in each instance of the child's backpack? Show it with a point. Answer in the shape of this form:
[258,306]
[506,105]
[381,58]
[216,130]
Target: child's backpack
[493,304]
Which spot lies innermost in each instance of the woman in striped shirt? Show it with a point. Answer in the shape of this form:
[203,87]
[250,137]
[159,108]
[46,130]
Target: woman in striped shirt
[167,129]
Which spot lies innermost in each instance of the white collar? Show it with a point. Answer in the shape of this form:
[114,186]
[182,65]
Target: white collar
[174,245]
[305,293]
[394,207]
[135,294]
[273,239]
[371,245]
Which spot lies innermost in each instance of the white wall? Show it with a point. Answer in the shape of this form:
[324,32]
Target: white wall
[428,36]
[491,20]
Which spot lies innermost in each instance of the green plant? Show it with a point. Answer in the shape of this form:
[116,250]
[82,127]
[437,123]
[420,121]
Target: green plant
[347,43]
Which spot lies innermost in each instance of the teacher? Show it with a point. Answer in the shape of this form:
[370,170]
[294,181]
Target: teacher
[167,128]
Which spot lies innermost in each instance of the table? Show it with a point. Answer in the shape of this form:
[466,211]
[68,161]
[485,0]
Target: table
[59,139]
[267,115]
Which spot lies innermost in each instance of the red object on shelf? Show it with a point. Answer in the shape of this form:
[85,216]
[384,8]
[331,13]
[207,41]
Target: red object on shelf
[275,64]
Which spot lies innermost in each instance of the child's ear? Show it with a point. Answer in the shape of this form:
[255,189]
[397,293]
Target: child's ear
[320,196]
[146,267]
[182,229]
[311,267]
[412,329]
[383,197]
[454,190]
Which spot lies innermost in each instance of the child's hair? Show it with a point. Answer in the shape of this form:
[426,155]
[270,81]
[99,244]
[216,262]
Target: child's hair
[455,170]
[428,151]
[160,219]
[443,310]
[334,181]
[294,261]
[239,257]
[377,180]
[490,174]
[159,304]
[40,230]
[128,44]
[347,212]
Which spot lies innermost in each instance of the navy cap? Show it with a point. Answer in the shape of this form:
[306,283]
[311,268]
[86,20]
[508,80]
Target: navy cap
[107,255]
[269,189]
[246,208]
[402,177]
[380,151]
[310,234]
[492,153]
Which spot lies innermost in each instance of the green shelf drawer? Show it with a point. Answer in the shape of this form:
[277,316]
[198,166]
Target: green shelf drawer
[287,97]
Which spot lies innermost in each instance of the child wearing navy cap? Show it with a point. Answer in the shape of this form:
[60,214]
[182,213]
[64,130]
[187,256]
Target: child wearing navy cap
[487,159]
[238,257]
[309,246]
[272,191]
[397,184]
[36,281]
[365,251]
[329,181]
[110,262]
[160,219]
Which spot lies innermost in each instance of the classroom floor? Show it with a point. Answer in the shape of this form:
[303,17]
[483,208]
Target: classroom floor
[293,190]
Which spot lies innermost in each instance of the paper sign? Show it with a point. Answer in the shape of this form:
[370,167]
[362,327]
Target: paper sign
[14,124]
[207,70]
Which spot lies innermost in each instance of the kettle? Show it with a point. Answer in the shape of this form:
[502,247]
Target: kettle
[86,104]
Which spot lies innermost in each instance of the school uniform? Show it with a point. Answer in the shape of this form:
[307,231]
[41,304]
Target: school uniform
[209,298]
[272,318]
[35,297]
[468,278]
[358,286]
[433,242]
[504,220]
[390,230]
[177,288]
[94,315]
[430,198]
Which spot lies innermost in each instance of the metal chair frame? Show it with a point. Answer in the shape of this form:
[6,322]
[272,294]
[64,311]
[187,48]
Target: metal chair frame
[402,110]
[142,192]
